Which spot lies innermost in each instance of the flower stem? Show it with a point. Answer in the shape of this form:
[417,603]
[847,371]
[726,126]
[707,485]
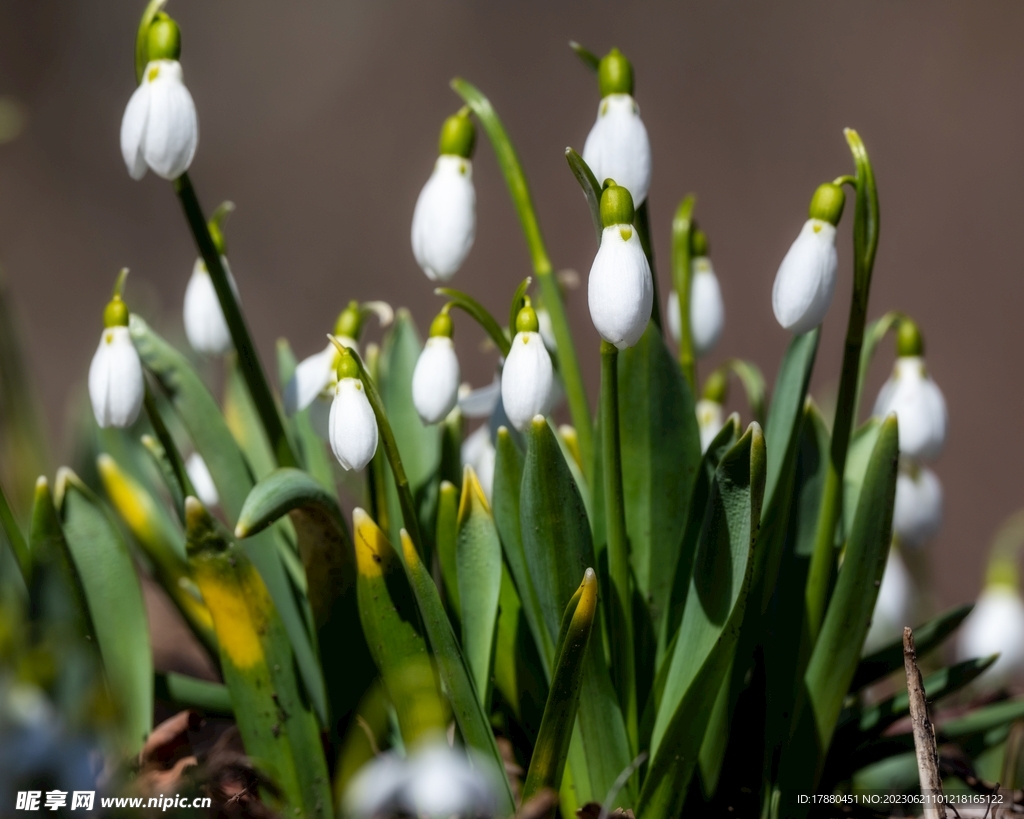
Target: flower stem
[865,244]
[163,435]
[620,603]
[248,358]
[480,314]
[681,273]
[568,361]
[642,223]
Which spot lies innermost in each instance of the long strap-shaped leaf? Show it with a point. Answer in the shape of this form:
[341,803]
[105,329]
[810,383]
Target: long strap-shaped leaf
[275,720]
[118,614]
[201,416]
[707,636]
[15,539]
[552,747]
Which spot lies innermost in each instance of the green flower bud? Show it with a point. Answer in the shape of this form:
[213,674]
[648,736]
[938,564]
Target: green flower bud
[216,226]
[716,386]
[615,74]
[349,322]
[909,341]
[827,203]
[442,325]
[458,135]
[526,321]
[698,243]
[616,205]
[163,41]
[115,314]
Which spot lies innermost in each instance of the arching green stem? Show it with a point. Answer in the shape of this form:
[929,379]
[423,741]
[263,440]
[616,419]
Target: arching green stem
[568,361]
[479,313]
[865,244]
[681,274]
[248,358]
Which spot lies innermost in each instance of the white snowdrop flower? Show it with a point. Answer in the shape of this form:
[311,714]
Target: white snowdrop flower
[707,311]
[620,291]
[116,383]
[160,129]
[353,426]
[618,147]
[893,606]
[710,420]
[919,407]
[435,381]
[806,281]
[527,378]
[917,515]
[202,480]
[478,452]
[205,325]
[376,787]
[444,221]
[996,625]
[546,329]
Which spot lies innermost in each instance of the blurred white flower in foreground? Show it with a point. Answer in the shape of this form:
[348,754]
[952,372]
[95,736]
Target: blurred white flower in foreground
[894,605]
[202,480]
[996,626]
[917,515]
[205,325]
[919,406]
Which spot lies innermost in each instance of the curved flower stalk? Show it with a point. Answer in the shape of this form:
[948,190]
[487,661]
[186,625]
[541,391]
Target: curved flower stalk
[353,426]
[527,378]
[116,383]
[620,290]
[617,146]
[444,221]
[806,281]
[707,311]
[313,382]
[435,381]
[160,129]
[205,326]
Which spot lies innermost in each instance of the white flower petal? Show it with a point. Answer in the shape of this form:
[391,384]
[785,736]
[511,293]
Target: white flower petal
[202,480]
[620,290]
[806,280]
[919,407]
[995,625]
[481,403]
[435,381]
[375,788]
[526,380]
[917,515]
[353,425]
[546,329]
[707,312]
[478,452]
[320,415]
[893,606]
[172,127]
[133,131]
[312,376]
[442,783]
[116,385]
[710,420]
[205,325]
[444,222]
[618,147]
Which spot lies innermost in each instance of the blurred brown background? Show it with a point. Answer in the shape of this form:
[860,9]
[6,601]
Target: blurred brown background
[319,119]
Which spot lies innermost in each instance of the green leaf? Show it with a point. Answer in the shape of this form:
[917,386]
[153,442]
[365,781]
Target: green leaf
[198,411]
[927,637]
[590,186]
[589,59]
[862,443]
[478,562]
[834,659]
[276,722]
[452,667]
[244,422]
[508,479]
[15,539]
[447,534]
[115,604]
[723,567]
[551,750]
[752,379]
[660,445]
[162,542]
[189,692]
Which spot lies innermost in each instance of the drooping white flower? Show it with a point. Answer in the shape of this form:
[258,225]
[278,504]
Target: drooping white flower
[312,385]
[527,379]
[116,385]
[478,452]
[205,325]
[806,281]
[160,129]
[919,407]
[995,625]
[435,381]
[444,222]
[353,426]
[710,420]
[893,606]
[917,515]
[618,147]
[707,311]
[202,480]
[620,291]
